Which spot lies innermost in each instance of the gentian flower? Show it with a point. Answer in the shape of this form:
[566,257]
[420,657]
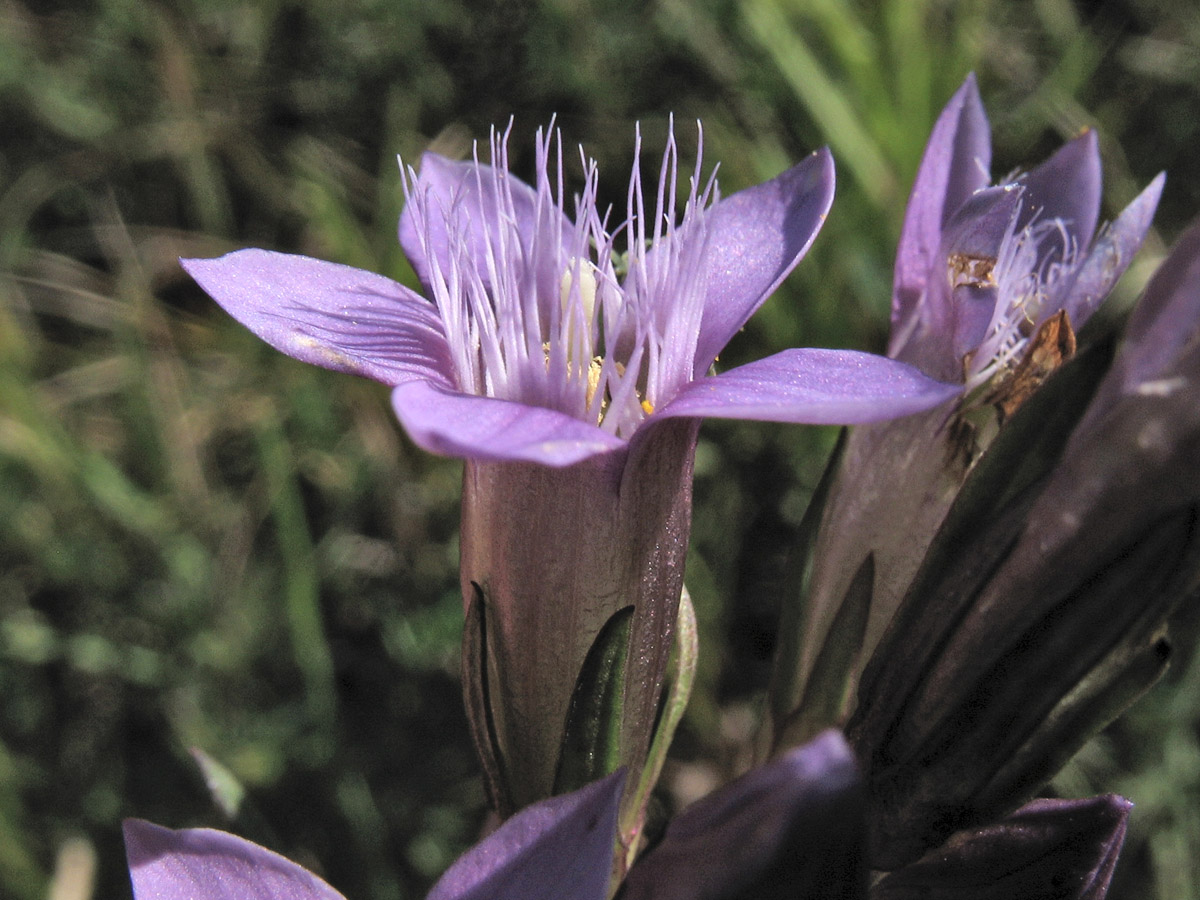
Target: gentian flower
[991,284]
[1043,608]
[571,377]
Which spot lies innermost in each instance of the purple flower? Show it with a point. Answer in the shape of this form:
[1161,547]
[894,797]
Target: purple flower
[991,282]
[1044,606]
[562,847]
[543,342]
[571,376]
[980,269]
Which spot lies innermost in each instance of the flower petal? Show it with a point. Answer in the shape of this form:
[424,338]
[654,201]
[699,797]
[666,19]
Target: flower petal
[451,423]
[561,847]
[1164,325]
[1067,187]
[813,386]
[330,315]
[1060,849]
[1109,257]
[465,193]
[790,828]
[203,864]
[955,165]
[755,238]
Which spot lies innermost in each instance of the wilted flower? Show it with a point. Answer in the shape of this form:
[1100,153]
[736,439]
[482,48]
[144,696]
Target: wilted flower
[991,283]
[571,377]
[1041,611]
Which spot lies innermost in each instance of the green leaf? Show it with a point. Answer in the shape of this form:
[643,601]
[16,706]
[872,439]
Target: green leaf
[687,654]
[591,746]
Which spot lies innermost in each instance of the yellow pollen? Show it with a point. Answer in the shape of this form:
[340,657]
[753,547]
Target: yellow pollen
[594,369]
[972,271]
[648,407]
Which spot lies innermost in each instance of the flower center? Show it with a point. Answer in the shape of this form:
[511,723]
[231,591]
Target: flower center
[1026,278]
[539,308]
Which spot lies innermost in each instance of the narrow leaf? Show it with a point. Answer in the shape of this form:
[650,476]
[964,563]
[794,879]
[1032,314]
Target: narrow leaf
[476,696]
[827,692]
[687,654]
[591,746]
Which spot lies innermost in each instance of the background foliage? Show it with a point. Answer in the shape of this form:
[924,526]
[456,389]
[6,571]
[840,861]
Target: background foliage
[204,544]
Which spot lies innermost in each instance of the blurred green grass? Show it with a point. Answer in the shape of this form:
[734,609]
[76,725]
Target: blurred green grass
[204,544]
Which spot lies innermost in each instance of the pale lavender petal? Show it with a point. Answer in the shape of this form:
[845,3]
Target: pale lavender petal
[330,315]
[813,386]
[976,231]
[1066,186]
[979,226]
[1110,255]
[560,848]
[451,423]
[955,165]
[202,864]
[465,193]
[755,238]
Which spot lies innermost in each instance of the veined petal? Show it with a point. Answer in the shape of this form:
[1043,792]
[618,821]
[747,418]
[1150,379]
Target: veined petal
[561,847]
[1067,187]
[755,238]
[330,315]
[203,864]
[451,423]
[955,165]
[466,193]
[813,386]
[1110,256]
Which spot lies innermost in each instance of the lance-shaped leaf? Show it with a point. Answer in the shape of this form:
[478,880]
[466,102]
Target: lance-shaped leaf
[1048,850]
[687,655]
[591,746]
[827,692]
[791,828]
[478,701]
